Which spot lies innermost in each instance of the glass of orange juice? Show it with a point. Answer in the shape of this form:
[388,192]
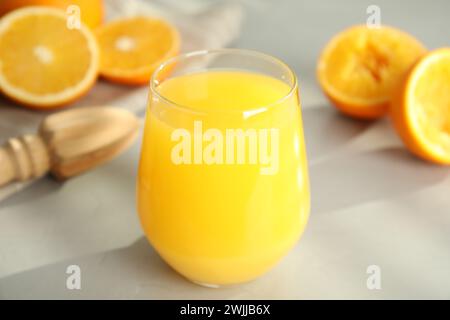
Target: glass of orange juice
[222,188]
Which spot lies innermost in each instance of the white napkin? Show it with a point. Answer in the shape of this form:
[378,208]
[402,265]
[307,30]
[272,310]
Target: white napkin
[202,24]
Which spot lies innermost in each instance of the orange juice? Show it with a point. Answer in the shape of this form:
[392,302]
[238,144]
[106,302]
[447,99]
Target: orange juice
[222,221]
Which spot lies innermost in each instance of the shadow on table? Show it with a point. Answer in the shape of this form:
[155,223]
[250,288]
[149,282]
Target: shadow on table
[134,272]
[327,130]
[352,179]
[40,188]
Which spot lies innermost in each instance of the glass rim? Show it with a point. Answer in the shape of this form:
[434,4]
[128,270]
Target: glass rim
[184,56]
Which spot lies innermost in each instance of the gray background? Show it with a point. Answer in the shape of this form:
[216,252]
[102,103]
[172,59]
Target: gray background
[372,202]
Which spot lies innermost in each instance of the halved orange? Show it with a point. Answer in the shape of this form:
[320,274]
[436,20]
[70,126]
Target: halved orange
[44,64]
[360,67]
[132,48]
[421,108]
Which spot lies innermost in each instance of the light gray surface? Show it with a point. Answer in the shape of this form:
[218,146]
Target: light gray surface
[372,203]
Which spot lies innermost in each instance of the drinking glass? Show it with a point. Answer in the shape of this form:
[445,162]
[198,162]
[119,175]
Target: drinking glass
[222,187]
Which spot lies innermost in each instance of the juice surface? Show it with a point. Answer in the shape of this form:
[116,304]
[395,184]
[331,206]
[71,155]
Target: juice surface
[223,223]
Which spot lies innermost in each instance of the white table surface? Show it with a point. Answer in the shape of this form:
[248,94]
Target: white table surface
[372,202]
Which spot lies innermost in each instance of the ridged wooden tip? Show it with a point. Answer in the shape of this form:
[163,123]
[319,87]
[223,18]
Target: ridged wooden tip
[23,158]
